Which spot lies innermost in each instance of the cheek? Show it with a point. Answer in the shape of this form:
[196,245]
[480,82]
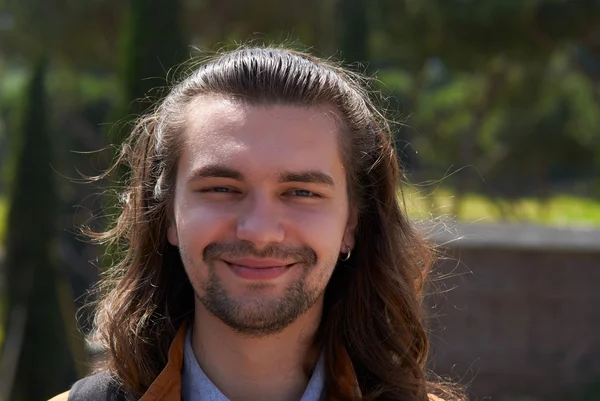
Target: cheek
[196,228]
[322,230]
[197,224]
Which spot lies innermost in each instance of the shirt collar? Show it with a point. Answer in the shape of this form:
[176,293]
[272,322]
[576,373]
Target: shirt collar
[195,385]
[167,385]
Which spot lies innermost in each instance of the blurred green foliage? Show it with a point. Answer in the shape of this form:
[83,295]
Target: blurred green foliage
[590,392]
[488,91]
[560,210]
[3,212]
[32,308]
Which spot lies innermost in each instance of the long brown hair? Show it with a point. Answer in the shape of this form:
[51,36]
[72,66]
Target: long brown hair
[373,303]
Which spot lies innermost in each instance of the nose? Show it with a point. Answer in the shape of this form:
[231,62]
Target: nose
[260,221]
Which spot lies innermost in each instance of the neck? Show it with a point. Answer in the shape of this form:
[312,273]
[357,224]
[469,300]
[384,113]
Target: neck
[257,368]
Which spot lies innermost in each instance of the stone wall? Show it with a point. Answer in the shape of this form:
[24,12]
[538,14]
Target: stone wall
[516,311]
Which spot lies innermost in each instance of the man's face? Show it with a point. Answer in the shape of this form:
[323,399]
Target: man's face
[261,210]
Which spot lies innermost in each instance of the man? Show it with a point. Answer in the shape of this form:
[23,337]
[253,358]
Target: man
[266,256]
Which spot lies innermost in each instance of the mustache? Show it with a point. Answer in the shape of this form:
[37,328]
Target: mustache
[241,249]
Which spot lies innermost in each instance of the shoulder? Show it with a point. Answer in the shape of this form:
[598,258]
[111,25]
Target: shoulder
[434,398]
[97,387]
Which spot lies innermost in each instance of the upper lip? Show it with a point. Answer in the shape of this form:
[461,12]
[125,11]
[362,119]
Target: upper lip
[258,263]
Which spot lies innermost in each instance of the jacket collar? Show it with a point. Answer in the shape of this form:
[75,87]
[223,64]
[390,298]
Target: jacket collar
[167,386]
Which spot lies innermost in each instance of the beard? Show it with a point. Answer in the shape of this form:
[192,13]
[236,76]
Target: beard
[258,317]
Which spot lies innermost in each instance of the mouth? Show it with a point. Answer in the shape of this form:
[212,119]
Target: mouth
[258,269]
[251,263]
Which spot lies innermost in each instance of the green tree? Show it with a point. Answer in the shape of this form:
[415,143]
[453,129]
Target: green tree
[153,42]
[37,354]
[353,30]
[78,34]
[506,68]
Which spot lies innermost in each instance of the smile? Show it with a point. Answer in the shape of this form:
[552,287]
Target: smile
[258,269]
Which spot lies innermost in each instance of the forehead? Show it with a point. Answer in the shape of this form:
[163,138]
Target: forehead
[261,138]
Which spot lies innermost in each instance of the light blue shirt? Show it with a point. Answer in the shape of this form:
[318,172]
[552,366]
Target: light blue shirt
[196,386]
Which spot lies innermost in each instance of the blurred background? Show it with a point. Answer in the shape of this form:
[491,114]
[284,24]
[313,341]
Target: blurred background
[497,104]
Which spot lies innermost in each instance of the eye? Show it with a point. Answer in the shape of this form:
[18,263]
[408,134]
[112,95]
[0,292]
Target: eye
[304,193]
[223,190]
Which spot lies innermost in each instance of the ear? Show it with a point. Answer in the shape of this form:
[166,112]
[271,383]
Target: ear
[349,236]
[172,234]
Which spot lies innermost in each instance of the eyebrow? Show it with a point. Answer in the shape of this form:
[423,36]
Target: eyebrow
[309,177]
[220,171]
[216,171]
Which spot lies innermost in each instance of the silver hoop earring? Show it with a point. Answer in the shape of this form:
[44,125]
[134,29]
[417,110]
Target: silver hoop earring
[347,255]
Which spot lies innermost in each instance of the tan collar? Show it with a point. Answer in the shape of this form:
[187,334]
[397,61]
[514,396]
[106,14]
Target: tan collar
[167,386]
